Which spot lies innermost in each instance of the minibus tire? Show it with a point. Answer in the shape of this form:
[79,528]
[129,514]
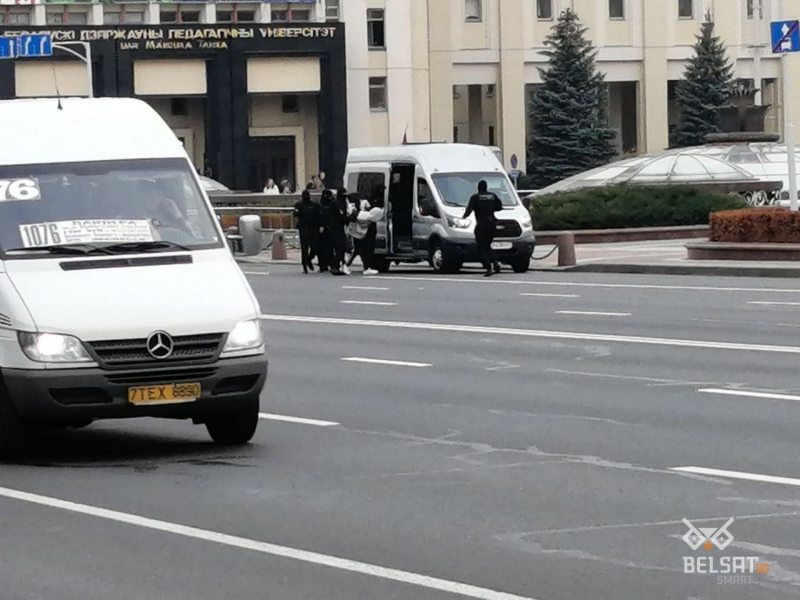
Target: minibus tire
[440,262]
[521,265]
[235,429]
[14,434]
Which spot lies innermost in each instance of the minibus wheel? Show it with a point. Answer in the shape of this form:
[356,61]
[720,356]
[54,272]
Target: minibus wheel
[237,428]
[440,262]
[14,434]
[521,265]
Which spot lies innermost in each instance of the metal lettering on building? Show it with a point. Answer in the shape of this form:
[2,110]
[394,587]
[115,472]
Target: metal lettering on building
[178,38]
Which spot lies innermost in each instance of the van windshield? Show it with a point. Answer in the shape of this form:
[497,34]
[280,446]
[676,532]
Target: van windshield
[130,204]
[456,189]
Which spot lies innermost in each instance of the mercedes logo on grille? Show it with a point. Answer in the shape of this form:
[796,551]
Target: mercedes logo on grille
[160,345]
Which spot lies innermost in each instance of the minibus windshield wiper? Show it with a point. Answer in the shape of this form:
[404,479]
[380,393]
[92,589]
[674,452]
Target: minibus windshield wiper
[59,249]
[158,245]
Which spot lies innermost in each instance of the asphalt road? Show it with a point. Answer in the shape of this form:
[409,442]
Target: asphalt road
[448,437]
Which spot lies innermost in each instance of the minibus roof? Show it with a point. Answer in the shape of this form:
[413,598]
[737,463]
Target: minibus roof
[37,131]
[433,158]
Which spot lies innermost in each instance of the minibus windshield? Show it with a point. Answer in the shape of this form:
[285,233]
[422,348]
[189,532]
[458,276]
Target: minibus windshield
[456,189]
[110,206]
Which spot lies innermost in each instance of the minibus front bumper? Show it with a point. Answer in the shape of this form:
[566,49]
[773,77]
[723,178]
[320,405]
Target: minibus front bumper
[68,396]
[466,249]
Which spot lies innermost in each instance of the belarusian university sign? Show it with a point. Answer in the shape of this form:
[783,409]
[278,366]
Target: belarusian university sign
[177,38]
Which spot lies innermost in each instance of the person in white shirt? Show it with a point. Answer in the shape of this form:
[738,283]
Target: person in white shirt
[270,188]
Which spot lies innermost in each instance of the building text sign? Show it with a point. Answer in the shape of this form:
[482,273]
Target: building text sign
[178,38]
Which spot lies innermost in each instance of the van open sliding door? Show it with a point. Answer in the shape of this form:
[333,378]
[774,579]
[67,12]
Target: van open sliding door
[401,207]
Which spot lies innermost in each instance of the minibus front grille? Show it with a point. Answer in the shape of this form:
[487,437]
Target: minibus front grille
[508,229]
[125,354]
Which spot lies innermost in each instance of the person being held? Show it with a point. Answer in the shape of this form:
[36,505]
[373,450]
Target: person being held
[309,220]
[485,204]
[270,188]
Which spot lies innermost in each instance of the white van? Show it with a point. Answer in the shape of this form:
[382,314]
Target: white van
[118,294]
[425,189]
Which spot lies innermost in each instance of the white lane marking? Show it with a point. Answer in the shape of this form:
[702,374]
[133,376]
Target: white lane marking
[738,475]
[776,303]
[365,288]
[592,313]
[300,420]
[395,363]
[366,303]
[262,273]
[748,394]
[334,562]
[534,295]
[534,333]
[496,281]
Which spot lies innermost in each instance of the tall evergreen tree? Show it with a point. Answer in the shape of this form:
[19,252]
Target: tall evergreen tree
[569,110]
[705,89]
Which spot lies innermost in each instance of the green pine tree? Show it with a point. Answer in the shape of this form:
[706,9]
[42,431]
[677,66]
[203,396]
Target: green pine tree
[705,89]
[569,110]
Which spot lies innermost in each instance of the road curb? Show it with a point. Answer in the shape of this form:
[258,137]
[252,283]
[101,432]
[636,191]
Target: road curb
[708,270]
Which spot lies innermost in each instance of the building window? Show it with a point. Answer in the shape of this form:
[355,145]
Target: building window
[544,10]
[15,17]
[455,133]
[686,9]
[616,9]
[122,14]
[755,8]
[180,14]
[236,13]
[473,10]
[179,107]
[491,135]
[291,103]
[285,15]
[331,10]
[64,16]
[377,94]
[376,37]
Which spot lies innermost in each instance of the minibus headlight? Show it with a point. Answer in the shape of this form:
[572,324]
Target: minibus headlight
[53,348]
[458,223]
[247,335]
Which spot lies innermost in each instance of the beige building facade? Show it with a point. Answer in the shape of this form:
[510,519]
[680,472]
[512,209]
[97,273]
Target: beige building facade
[465,70]
[423,70]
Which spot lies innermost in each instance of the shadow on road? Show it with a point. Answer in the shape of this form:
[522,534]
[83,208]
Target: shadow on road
[119,448]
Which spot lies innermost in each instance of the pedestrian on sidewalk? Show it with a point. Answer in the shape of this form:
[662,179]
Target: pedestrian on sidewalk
[309,220]
[485,204]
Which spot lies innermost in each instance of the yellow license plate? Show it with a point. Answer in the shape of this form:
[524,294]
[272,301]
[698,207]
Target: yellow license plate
[173,393]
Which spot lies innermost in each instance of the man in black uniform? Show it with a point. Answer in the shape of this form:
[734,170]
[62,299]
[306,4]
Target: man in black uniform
[309,221]
[484,204]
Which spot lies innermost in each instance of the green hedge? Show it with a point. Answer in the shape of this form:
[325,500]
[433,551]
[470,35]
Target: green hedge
[628,206]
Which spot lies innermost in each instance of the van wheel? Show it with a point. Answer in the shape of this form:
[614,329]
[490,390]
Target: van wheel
[14,434]
[440,261]
[521,265]
[381,264]
[235,429]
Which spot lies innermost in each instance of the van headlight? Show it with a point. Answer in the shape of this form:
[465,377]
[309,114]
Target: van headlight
[53,348]
[526,222]
[247,335]
[459,223]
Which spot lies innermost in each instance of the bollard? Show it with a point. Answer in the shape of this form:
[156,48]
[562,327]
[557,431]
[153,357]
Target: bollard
[279,246]
[250,230]
[566,250]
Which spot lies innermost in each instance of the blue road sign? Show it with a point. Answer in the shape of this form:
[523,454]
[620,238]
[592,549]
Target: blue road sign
[785,36]
[31,46]
[6,47]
